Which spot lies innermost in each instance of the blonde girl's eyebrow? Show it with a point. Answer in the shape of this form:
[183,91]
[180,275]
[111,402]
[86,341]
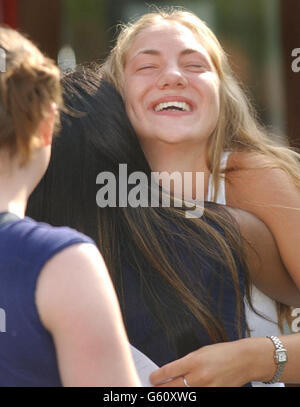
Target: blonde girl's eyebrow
[146,52]
[186,51]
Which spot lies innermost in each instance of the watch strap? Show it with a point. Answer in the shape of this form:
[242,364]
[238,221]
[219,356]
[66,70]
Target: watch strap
[280,365]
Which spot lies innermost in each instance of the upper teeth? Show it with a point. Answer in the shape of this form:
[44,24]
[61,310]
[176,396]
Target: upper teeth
[181,105]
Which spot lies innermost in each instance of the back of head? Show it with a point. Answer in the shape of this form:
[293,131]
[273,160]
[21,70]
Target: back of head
[29,84]
[95,136]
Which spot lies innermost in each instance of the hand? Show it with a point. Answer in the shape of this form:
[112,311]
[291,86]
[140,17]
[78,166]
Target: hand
[225,364]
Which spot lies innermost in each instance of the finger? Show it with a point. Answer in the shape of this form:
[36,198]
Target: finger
[171,370]
[176,382]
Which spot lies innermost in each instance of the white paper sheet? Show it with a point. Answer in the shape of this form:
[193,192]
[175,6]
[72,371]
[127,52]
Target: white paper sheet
[144,366]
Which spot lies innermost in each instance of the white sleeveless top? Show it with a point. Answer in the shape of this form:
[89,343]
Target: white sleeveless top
[265,305]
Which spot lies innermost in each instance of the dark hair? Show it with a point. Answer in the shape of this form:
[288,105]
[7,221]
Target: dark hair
[96,137]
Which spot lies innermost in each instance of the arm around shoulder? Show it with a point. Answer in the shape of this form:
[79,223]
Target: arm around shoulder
[266,268]
[254,183]
[78,306]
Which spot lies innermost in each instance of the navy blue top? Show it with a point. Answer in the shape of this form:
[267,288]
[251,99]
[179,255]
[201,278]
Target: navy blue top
[144,329]
[27,352]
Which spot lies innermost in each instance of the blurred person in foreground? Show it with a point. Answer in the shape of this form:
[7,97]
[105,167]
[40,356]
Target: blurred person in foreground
[63,323]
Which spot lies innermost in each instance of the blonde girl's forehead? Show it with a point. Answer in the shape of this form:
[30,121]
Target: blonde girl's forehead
[165,30]
[165,27]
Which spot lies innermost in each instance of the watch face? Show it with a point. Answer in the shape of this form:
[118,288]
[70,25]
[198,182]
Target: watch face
[281,356]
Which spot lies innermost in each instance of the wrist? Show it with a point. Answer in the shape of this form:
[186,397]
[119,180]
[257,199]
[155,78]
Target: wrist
[280,358]
[259,355]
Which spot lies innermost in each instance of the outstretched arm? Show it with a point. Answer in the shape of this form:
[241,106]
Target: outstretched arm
[231,364]
[78,306]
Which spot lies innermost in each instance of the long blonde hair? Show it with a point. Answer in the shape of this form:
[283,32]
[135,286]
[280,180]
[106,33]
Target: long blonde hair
[29,84]
[237,128]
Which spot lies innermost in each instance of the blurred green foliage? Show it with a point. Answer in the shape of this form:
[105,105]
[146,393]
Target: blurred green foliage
[80,10]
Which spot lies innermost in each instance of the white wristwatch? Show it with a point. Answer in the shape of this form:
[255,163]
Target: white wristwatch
[280,357]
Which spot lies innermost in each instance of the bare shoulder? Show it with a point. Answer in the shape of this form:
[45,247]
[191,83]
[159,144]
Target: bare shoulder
[67,276]
[246,159]
[256,177]
[71,259]
[269,193]
[69,264]
[242,164]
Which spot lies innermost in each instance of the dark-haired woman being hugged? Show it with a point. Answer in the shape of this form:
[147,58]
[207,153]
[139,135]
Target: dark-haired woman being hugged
[61,324]
[181,282]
